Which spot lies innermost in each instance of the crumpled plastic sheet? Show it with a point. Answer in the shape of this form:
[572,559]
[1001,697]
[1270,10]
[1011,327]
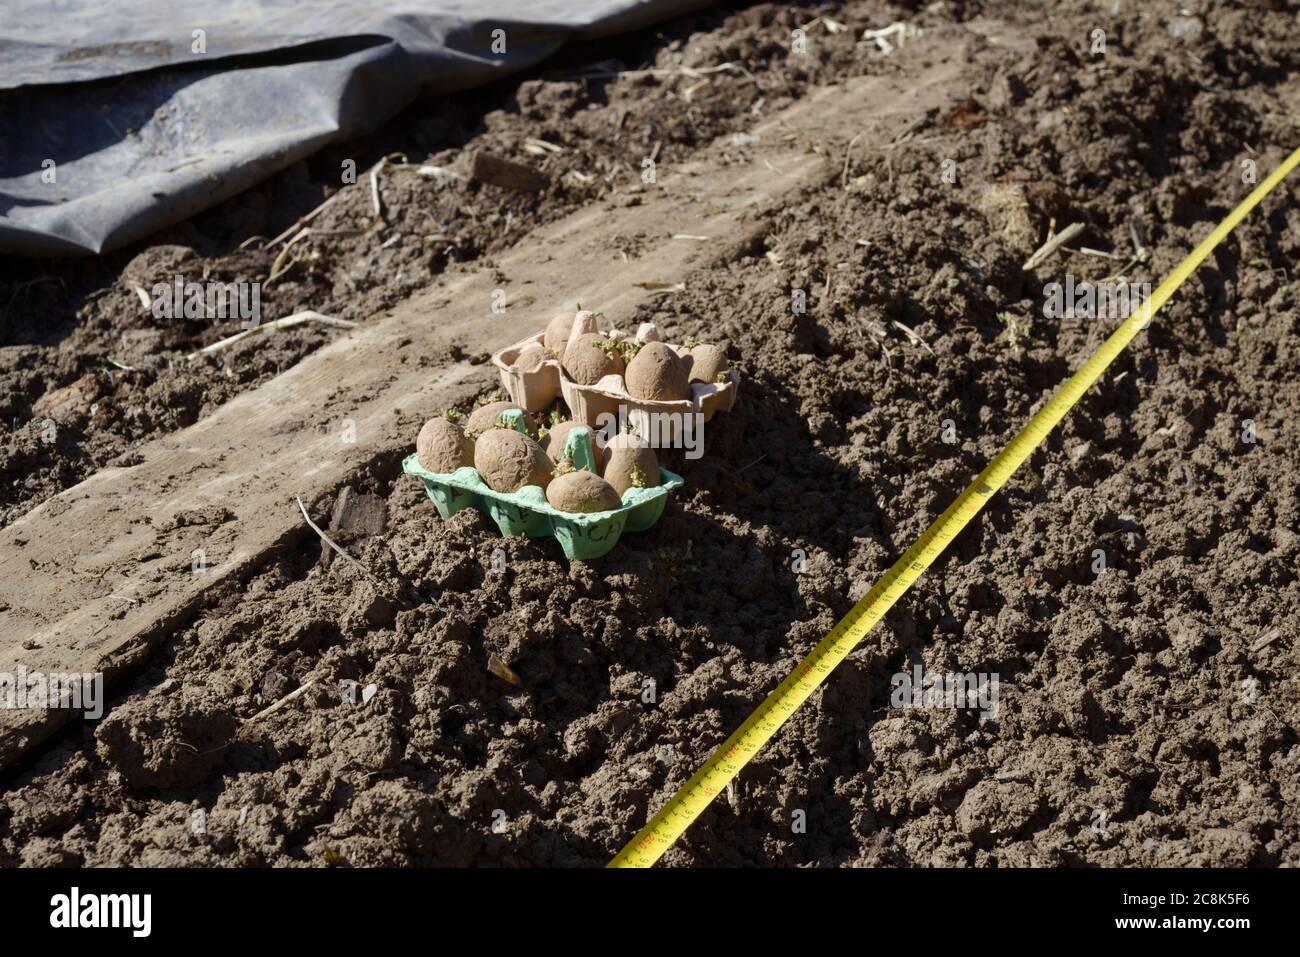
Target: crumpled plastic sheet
[117,119]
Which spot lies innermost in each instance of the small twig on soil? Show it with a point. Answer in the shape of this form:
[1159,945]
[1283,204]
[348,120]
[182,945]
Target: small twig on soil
[848,158]
[916,340]
[1263,642]
[297,319]
[690,71]
[886,357]
[1052,245]
[1140,255]
[541,147]
[751,464]
[1139,247]
[909,131]
[733,796]
[1085,251]
[330,542]
[908,141]
[292,695]
[303,220]
[661,288]
[897,29]
[689,93]
[439,172]
[278,266]
[375,200]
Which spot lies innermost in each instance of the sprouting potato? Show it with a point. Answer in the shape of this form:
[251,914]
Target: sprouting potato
[630,462]
[588,359]
[557,332]
[442,446]
[658,374]
[508,460]
[582,491]
[487,416]
[530,357]
[709,363]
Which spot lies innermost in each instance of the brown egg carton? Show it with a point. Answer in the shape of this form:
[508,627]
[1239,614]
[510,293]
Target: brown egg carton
[535,390]
[531,391]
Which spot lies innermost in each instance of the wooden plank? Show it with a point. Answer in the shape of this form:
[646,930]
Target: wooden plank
[95,577]
[495,171]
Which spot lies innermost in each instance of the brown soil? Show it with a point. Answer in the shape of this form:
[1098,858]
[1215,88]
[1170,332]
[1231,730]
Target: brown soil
[1136,725]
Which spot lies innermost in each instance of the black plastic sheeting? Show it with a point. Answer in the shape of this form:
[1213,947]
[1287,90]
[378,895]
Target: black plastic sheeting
[117,119]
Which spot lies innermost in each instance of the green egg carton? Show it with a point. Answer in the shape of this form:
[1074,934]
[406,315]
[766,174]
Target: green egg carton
[582,536]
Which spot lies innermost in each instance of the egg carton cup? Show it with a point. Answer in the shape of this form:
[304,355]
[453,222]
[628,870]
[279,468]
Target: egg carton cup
[531,391]
[582,536]
[600,404]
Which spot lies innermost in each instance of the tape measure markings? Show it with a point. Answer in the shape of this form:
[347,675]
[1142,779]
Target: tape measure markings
[732,755]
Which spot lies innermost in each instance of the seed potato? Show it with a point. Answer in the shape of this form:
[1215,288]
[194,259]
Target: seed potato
[442,446]
[508,460]
[658,374]
[586,362]
[582,491]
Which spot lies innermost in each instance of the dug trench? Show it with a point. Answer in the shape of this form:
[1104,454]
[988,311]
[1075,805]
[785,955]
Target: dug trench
[1146,713]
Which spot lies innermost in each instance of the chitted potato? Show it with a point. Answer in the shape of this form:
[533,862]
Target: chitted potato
[557,332]
[558,436]
[486,417]
[508,460]
[442,446]
[582,491]
[530,357]
[589,358]
[630,462]
[708,363]
[658,374]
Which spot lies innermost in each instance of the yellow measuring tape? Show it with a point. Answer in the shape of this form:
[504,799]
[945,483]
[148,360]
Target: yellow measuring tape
[734,753]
